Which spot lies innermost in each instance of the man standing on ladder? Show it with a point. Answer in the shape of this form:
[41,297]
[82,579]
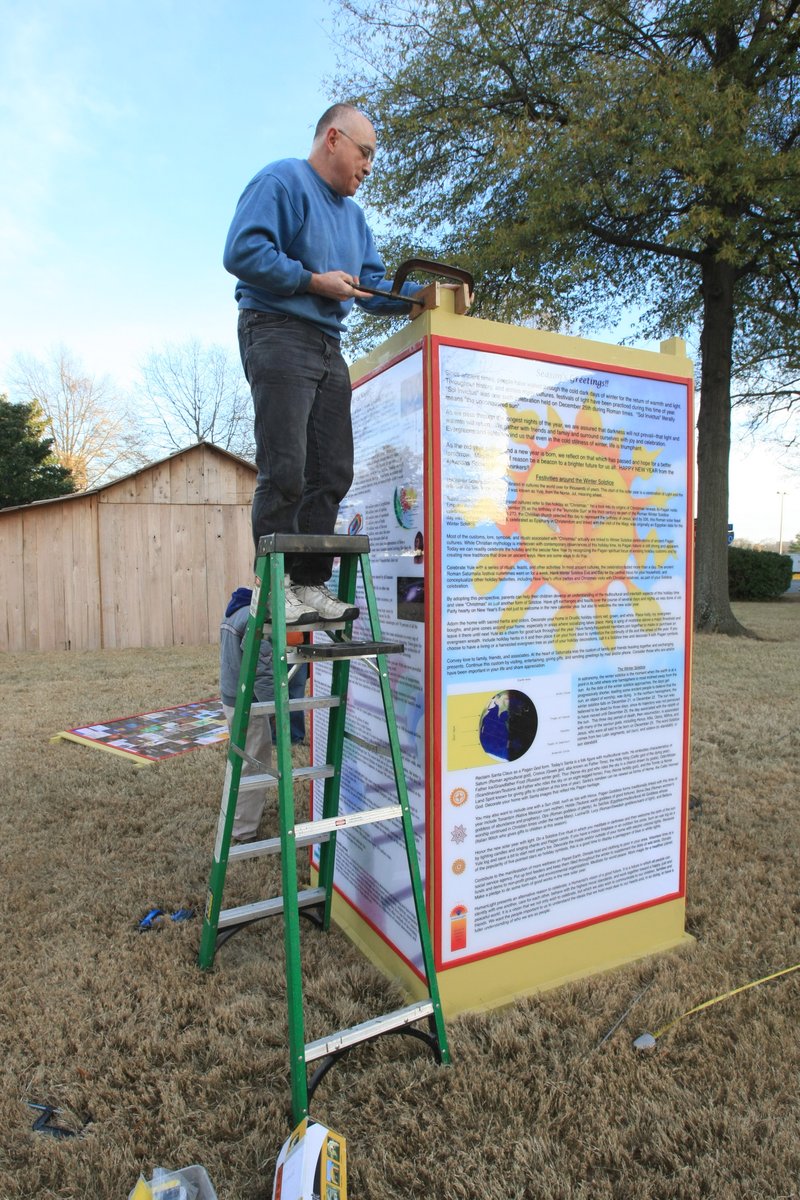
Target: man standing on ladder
[299,247]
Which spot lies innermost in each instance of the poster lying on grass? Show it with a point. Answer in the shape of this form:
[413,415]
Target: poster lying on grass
[153,736]
[528,520]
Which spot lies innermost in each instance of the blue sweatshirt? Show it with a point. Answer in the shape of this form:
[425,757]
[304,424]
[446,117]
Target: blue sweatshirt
[288,224]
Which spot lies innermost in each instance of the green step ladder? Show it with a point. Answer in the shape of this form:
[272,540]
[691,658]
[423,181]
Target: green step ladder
[340,649]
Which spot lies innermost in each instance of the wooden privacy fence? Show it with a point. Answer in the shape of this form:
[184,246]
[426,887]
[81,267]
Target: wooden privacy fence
[148,560]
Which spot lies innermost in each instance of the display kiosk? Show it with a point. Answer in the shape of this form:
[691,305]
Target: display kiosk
[528,499]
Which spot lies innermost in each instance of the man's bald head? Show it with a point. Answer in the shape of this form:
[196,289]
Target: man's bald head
[344,148]
[337,114]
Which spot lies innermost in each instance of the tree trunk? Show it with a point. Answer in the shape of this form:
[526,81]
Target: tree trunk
[712,608]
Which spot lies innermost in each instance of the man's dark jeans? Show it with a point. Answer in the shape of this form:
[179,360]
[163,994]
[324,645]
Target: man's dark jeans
[304,437]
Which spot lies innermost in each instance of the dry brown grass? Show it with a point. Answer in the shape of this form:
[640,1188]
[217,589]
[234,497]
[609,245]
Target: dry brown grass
[175,1066]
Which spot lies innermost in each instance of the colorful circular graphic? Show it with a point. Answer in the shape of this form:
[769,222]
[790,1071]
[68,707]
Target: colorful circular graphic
[406,500]
[459,796]
[579,541]
[355,525]
[459,867]
[508,725]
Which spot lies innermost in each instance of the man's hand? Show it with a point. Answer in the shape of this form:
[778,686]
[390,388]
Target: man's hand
[336,285]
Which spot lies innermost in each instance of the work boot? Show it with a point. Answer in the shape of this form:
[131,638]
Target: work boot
[328,606]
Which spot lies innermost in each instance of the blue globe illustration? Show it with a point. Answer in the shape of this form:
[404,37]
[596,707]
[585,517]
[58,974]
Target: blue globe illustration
[508,725]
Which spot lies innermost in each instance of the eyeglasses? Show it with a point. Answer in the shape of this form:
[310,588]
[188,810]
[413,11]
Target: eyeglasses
[367,152]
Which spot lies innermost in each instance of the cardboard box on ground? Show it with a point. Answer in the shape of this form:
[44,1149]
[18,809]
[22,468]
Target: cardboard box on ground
[312,1165]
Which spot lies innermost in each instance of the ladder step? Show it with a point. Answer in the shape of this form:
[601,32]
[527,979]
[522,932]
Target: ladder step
[302,704]
[310,833]
[255,849]
[249,783]
[313,543]
[267,908]
[310,830]
[367,1030]
[373,747]
[261,849]
[342,650]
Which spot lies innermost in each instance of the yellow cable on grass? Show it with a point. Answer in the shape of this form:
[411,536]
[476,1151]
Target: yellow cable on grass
[647,1040]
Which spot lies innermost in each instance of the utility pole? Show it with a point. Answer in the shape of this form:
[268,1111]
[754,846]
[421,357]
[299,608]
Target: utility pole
[780,531]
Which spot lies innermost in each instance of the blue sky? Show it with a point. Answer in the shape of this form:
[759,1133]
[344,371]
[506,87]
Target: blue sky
[127,132]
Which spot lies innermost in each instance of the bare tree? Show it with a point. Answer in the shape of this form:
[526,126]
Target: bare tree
[199,390]
[87,419]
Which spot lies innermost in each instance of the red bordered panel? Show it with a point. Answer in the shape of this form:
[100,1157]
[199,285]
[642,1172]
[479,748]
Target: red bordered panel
[345,887]
[445,919]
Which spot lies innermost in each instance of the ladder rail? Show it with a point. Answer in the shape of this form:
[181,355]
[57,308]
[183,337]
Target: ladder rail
[340,677]
[299,704]
[233,774]
[420,908]
[286,822]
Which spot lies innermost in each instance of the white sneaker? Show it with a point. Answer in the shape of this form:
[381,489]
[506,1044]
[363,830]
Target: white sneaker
[298,612]
[328,606]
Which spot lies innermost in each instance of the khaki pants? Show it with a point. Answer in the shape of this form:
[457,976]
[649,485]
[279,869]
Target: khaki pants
[258,744]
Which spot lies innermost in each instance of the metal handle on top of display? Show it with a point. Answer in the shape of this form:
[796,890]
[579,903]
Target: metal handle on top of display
[431,267]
